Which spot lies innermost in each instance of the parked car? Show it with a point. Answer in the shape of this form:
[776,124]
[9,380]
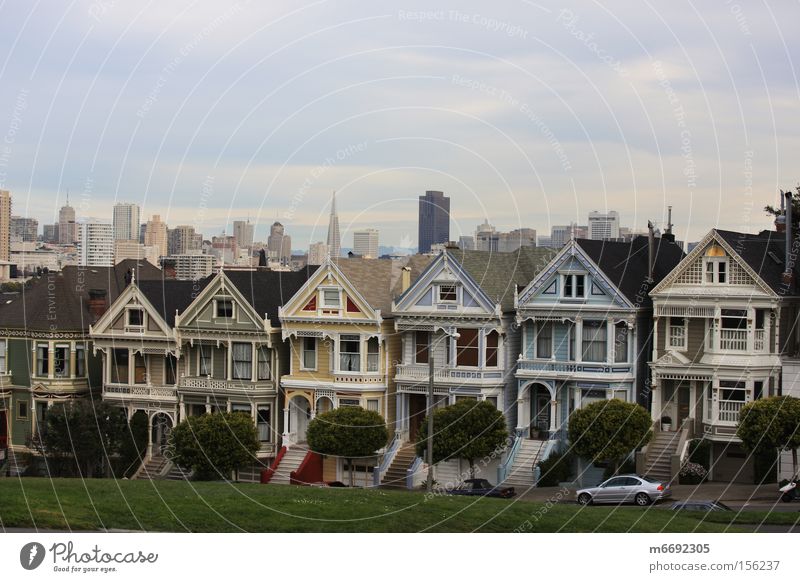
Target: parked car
[699,505]
[483,488]
[624,489]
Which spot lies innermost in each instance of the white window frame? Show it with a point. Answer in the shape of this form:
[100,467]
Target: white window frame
[80,360]
[349,402]
[714,263]
[36,360]
[323,301]
[67,356]
[200,351]
[3,356]
[217,303]
[303,351]
[671,345]
[128,323]
[374,404]
[573,278]
[439,293]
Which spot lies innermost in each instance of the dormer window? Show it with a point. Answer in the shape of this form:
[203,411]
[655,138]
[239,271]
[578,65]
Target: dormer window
[135,317]
[331,299]
[447,294]
[224,308]
[716,265]
[574,286]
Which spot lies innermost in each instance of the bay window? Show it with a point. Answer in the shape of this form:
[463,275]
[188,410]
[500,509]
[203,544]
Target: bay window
[309,353]
[467,348]
[80,360]
[139,369]
[373,355]
[119,366]
[492,345]
[594,341]
[204,354]
[263,363]
[621,342]
[3,368]
[242,361]
[677,333]
[42,360]
[421,341]
[349,353]
[61,361]
[544,340]
[263,423]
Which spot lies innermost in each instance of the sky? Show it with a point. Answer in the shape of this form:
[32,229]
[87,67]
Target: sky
[529,114]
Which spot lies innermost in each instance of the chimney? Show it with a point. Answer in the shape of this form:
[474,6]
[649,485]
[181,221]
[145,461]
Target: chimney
[405,279]
[651,251]
[98,302]
[780,220]
[788,275]
[667,234]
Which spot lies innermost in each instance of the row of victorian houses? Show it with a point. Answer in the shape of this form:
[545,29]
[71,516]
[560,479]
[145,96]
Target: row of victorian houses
[536,332]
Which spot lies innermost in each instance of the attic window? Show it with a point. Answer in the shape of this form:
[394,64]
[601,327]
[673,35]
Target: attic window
[135,317]
[224,308]
[447,294]
[716,270]
[331,299]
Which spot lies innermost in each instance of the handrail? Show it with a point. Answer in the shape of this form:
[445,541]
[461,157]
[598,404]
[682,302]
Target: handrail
[267,474]
[502,470]
[411,471]
[388,457]
[541,456]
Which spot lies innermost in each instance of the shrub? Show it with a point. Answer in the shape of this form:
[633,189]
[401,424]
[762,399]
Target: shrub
[698,452]
[692,474]
[556,469]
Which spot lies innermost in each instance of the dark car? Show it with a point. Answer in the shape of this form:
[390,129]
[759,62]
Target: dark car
[483,488]
[695,505]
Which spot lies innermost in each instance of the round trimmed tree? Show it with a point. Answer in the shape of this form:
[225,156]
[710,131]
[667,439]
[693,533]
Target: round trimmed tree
[350,432]
[468,429]
[214,445]
[770,424]
[608,430]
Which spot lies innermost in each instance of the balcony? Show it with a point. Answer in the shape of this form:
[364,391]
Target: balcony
[419,373]
[734,339]
[729,411]
[113,391]
[371,378]
[208,384]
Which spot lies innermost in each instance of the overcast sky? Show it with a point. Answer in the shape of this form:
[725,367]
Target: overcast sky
[530,114]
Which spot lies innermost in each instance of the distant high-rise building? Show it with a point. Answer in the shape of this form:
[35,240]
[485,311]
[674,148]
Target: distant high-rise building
[279,244]
[133,249]
[95,244]
[603,226]
[183,240]
[155,235]
[24,229]
[561,235]
[365,243]
[142,231]
[67,228]
[243,231]
[50,233]
[334,237]
[466,243]
[126,221]
[545,241]
[5,225]
[434,220]
[191,267]
[519,237]
[225,249]
[486,237]
[317,252]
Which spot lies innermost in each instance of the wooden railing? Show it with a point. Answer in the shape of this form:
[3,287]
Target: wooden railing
[733,339]
[420,373]
[129,391]
[729,410]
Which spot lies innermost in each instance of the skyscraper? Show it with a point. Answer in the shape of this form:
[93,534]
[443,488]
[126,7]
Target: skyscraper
[95,244]
[365,243]
[279,243]
[434,220]
[155,235]
[317,252]
[24,229]
[5,225]
[126,221]
[67,229]
[603,226]
[334,238]
[183,240]
[243,231]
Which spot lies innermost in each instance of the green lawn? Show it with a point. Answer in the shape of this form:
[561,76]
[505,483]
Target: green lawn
[218,507]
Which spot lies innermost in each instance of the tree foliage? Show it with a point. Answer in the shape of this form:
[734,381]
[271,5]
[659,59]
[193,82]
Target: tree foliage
[771,424]
[84,432]
[349,432]
[468,429]
[214,445]
[608,430]
[776,211]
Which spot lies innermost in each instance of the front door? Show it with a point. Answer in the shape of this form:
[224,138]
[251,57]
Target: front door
[684,404]
[540,414]
[300,413]
[416,414]
[162,425]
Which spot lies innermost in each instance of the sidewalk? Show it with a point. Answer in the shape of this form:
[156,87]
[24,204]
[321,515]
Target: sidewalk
[728,492]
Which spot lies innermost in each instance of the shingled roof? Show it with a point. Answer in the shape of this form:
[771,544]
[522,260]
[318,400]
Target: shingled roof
[500,274]
[59,301]
[169,296]
[267,290]
[626,264]
[765,253]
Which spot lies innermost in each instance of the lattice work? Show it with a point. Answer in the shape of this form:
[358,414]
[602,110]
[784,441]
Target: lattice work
[692,275]
[738,276]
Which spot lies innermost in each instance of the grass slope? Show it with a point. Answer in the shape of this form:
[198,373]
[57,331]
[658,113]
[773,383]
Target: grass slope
[219,507]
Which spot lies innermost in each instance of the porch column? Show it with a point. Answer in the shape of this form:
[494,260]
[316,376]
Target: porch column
[131,366]
[253,362]
[182,408]
[51,360]
[72,353]
[610,340]
[553,415]
[751,326]
[286,418]
[576,394]
[149,435]
[715,399]
[578,339]
[655,398]
[522,421]
[229,359]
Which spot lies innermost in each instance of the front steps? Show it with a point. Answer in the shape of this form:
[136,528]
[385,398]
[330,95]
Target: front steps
[290,462]
[154,467]
[395,476]
[658,462]
[521,475]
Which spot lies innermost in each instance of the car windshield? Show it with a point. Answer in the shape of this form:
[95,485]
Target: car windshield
[650,479]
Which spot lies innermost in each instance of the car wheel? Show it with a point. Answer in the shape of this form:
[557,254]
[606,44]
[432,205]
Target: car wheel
[787,498]
[642,499]
[585,499]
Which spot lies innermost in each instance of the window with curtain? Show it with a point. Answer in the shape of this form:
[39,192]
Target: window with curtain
[594,341]
[263,422]
[80,360]
[263,363]
[544,340]
[205,355]
[621,342]
[170,370]
[492,343]
[373,357]
[61,361]
[421,339]
[43,360]
[349,353]
[242,361]
[139,369]
[119,366]
[310,353]
[3,356]
[467,348]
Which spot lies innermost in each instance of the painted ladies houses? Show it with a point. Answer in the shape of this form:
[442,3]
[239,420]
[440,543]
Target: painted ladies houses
[46,353]
[723,318]
[585,321]
[342,350]
[173,349]
[459,313]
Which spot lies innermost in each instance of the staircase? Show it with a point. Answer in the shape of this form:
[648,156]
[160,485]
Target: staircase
[290,462]
[658,462]
[395,476]
[14,465]
[521,475]
[153,468]
[448,474]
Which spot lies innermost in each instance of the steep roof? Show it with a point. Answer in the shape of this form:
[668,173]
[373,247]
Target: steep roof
[59,301]
[626,264]
[169,296]
[267,290]
[379,281]
[765,253]
[501,274]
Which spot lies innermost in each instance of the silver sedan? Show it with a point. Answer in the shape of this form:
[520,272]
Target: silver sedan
[625,489]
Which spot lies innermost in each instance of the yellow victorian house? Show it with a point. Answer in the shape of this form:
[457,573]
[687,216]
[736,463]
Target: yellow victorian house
[342,350]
